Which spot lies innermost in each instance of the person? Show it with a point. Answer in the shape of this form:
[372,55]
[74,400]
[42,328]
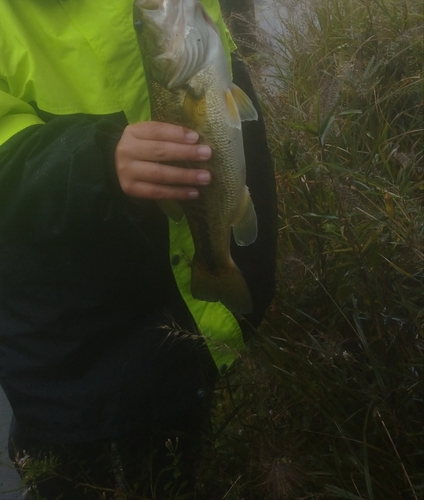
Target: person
[108,362]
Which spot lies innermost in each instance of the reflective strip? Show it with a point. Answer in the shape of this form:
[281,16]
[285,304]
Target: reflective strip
[216,323]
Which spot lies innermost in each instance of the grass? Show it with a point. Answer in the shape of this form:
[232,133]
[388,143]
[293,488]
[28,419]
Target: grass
[329,401]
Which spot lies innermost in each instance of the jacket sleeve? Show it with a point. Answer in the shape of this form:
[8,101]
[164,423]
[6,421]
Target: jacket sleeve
[258,260]
[56,177]
[15,115]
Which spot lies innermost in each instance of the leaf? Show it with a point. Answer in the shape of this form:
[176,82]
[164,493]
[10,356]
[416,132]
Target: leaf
[326,129]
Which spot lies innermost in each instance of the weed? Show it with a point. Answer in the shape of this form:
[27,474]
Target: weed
[328,403]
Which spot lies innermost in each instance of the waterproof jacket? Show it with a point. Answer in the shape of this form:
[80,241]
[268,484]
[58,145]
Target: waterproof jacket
[84,269]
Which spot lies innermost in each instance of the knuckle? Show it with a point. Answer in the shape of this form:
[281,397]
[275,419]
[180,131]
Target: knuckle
[120,168]
[155,192]
[123,170]
[127,187]
[157,172]
[134,129]
[160,152]
[122,154]
[120,149]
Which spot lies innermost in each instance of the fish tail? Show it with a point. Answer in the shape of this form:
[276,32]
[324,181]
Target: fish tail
[228,287]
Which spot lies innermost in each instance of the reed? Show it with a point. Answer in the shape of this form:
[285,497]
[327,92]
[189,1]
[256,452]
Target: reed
[328,401]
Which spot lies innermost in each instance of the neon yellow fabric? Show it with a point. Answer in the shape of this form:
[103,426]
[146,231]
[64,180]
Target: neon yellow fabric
[44,64]
[82,56]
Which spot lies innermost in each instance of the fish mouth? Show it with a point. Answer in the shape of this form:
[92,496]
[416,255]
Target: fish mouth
[184,38]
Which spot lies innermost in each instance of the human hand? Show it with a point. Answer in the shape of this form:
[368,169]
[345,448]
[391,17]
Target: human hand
[142,156]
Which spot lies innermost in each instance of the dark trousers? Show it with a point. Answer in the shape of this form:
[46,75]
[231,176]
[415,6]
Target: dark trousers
[155,460]
[154,463]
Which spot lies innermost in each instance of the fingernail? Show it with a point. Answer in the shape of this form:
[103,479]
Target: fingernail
[193,194]
[204,151]
[191,135]
[204,177]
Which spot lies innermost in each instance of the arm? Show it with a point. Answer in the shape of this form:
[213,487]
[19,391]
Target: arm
[58,177]
[63,175]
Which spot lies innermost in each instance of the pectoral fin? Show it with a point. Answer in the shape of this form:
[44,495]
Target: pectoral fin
[239,107]
[245,106]
[233,114]
[245,228]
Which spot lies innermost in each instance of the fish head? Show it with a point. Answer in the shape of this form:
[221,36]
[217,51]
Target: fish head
[177,39]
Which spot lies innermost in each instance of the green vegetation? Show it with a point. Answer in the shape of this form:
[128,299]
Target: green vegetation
[328,403]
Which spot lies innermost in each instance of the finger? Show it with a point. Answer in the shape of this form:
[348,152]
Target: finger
[159,131]
[162,151]
[157,173]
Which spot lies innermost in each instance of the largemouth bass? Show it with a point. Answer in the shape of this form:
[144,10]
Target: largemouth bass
[189,82]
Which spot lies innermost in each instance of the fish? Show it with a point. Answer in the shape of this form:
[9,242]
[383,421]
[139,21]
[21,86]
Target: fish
[189,83]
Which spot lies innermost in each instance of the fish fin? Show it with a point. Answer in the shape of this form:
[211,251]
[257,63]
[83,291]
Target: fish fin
[228,287]
[245,229]
[171,209]
[232,109]
[194,108]
[245,106]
